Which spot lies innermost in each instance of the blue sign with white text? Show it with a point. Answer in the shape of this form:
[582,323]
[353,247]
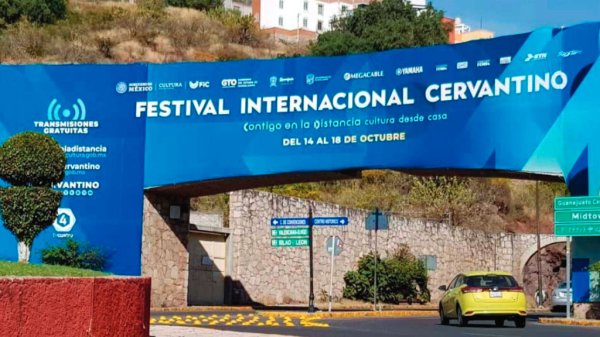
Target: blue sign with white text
[524,103]
[289,222]
[501,104]
[330,221]
[104,144]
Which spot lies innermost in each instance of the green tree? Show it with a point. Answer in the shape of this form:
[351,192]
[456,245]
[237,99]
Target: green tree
[36,11]
[196,4]
[382,25]
[32,163]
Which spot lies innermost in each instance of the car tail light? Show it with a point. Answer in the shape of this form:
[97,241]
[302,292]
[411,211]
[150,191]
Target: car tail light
[466,290]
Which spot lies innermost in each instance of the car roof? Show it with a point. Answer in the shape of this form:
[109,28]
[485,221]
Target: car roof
[483,273]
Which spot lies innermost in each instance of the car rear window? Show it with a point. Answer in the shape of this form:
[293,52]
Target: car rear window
[490,281]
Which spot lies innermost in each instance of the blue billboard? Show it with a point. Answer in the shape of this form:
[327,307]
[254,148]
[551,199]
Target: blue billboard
[104,145]
[501,104]
[523,103]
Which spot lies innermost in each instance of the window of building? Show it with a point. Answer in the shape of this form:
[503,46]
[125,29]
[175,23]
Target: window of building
[319,25]
[280,4]
[305,5]
[281,20]
[320,9]
[305,22]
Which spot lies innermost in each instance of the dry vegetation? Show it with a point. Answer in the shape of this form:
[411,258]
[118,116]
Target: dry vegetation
[115,32]
[490,204]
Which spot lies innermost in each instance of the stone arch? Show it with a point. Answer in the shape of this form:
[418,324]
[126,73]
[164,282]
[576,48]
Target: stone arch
[545,240]
[552,271]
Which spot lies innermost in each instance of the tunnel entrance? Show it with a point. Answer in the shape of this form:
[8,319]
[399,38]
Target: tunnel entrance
[553,272]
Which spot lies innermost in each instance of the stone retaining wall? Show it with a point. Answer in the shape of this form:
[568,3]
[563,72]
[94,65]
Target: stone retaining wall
[280,275]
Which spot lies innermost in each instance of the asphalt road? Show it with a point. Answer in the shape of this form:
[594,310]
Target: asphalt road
[420,327]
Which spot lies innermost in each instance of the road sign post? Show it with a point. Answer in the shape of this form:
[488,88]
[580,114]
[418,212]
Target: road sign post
[575,216]
[334,248]
[298,232]
[376,221]
[311,295]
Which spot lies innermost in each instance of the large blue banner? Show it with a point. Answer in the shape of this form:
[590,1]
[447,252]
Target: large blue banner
[524,103]
[501,104]
[104,145]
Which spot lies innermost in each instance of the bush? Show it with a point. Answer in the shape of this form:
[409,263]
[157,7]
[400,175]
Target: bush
[401,277]
[196,4]
[27,211]
[36,11]
[73,255]
[32,159]
[595,267]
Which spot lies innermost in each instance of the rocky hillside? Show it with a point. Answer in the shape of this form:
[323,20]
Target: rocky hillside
[117,32]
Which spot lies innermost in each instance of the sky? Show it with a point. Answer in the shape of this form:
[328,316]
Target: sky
[506,17]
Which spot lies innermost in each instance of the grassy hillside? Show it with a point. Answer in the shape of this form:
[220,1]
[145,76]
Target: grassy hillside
[117,32]
[21,269]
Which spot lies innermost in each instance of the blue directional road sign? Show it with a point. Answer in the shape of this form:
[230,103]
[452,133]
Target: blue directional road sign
[317,221]
[289,222]
[330,221]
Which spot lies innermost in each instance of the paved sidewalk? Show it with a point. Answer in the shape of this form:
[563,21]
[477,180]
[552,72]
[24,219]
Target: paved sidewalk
[179,331]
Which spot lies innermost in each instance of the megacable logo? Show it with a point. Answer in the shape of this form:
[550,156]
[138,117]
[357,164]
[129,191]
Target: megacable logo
[363,75]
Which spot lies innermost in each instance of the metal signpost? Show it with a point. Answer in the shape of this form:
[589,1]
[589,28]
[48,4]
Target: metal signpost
[334,248]
[311,295]
[575,216]
[376,221]
[298,232]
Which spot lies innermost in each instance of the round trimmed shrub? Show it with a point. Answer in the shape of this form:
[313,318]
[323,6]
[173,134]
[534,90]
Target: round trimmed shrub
[32,159]
[27,210]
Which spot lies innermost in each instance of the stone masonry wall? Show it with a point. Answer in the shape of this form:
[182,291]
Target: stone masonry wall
[164,250]
[280,275]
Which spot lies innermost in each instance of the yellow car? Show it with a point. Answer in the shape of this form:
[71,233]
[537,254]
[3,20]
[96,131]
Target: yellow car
[483,296]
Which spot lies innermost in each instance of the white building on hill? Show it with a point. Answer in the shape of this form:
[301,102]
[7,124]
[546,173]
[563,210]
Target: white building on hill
[297,20]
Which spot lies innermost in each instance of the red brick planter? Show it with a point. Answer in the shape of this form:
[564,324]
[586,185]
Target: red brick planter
[65,307]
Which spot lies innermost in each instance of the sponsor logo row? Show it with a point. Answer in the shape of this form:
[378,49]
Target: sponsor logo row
[311,79]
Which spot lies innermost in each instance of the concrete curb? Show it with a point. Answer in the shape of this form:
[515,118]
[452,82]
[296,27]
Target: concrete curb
[354,314]
[203,309]
[573,322]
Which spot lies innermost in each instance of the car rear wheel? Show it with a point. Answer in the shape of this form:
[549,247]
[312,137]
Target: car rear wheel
[520,322]
[499,322]
[462,320]
[443,319]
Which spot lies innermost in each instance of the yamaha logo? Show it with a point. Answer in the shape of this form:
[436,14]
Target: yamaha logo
[409,70]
